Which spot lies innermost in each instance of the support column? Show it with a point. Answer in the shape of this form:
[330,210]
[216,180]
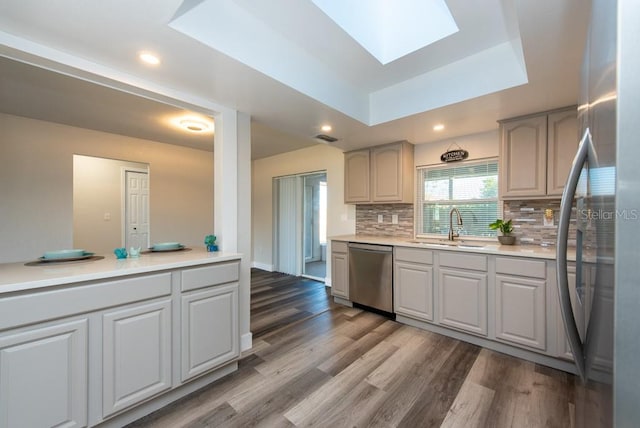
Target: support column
[232,201]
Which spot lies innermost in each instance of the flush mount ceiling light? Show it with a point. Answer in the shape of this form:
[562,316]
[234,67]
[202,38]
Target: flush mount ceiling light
[390,30]
[193,124]
[326,128]
[438,127]
[149,58]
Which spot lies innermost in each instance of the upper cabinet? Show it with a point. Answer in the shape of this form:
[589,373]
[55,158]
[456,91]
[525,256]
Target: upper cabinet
[381,174]
[536,154]
[562,145]
[357,177]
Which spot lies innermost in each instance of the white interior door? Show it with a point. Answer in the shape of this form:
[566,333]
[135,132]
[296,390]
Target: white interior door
[137,209]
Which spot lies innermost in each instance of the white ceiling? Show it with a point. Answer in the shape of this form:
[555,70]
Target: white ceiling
[289,66]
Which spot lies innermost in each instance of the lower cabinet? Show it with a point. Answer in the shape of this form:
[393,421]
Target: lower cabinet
[521,310]
[45,365]
[463,300]
[340,269]
[89,352]
[136,354]
[414,290]
[520,301]
[413,283]
[209,329]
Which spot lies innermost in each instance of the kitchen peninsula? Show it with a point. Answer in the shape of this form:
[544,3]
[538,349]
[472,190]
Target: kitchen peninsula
[108,341]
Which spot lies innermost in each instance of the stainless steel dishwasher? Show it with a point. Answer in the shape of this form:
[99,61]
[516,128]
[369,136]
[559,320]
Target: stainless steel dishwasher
[371,276]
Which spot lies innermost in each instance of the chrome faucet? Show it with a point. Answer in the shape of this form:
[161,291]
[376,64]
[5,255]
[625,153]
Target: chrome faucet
[453,234]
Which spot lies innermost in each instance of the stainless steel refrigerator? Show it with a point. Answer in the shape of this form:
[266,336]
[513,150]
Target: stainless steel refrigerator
[600,213]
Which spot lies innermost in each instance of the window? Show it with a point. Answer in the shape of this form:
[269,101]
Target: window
[472,187]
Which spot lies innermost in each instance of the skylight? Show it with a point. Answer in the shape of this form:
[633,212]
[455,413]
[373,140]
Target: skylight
[389,30]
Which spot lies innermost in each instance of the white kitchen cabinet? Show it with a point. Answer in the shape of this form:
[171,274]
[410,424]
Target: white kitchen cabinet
[43,375]
[536,153]
[209,329]
[413,283]
[562,145]
[381,174]
[136,354]
[523,157]
[357,177]
[520,296]
[82,353]
[462,291]
[520,310]
[340,269]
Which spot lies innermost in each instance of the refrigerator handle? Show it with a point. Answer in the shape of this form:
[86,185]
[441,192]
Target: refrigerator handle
[570,327]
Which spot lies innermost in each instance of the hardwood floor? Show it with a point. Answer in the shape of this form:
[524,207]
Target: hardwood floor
[315,363]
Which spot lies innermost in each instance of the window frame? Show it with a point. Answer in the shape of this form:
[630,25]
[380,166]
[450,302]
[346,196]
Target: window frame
[419,200]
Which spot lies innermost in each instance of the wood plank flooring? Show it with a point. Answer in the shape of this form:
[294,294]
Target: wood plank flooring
[315,363]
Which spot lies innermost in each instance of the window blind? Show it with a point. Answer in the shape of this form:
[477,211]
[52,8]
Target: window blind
[472,187]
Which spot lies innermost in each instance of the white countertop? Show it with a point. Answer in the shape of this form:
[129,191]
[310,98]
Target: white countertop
[18,277]
[488,247]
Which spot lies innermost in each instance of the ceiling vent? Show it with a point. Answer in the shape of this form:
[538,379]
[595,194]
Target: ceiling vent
[326,138]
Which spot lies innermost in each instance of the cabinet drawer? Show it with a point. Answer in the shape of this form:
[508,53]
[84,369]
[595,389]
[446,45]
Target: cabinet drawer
[210,275]
[79,298]
[414,255]
[521,267]
[465,261]
[339,247]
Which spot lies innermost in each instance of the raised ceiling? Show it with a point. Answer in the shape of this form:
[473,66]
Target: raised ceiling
[293,69]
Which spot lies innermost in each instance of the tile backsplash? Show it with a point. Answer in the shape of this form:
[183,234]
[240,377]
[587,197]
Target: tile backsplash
[529,221]
[367,220]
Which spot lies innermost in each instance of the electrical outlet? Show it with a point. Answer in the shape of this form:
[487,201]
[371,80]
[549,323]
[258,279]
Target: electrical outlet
[107,216]
[394,219]
[380,218]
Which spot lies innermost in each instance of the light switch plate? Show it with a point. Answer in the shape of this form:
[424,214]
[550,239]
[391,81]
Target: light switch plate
[379,218]
[394,219]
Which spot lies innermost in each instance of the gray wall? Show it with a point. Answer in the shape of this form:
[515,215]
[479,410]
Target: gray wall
[36,185]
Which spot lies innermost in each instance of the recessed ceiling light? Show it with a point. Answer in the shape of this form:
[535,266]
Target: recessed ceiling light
[326,128]
[193,124]
[149,58]
[438,127]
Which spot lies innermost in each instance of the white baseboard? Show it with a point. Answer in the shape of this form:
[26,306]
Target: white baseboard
[263,266]
[246,341]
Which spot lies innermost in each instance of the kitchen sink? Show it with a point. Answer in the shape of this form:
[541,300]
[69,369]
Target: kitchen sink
[441,242]
[446,243]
